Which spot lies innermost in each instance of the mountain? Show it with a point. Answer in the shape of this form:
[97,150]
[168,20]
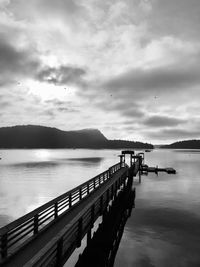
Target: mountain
[186,144]
[32,136]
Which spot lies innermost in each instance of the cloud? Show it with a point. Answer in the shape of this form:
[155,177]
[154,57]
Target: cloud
[162,121]
[16,62]
[62,75]
[178,18]
[155,79]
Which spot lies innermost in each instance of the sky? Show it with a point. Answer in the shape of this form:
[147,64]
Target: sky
[129,68]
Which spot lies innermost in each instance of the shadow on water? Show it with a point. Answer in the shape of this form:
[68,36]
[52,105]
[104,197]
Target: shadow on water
[59,161]
[161,237]
[90,160]
[39,164]
[102,248]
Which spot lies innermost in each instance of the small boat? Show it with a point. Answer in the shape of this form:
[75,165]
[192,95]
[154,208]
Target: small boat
[147,150]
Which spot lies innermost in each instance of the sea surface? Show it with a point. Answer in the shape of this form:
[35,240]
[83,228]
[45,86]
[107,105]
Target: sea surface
[164,229]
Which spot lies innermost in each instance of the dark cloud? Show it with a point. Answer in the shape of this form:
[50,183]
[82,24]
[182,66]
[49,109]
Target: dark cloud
[155,79]
[162,121]
[16,63]
[24,63]
[62,75]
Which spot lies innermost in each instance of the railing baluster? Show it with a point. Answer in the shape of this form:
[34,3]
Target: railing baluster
[80,193]
[94,184]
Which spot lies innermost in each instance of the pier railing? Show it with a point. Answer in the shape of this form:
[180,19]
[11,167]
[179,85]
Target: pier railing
[59,249]
[17,233]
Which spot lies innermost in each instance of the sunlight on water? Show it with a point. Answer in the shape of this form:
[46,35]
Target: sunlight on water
[30,178]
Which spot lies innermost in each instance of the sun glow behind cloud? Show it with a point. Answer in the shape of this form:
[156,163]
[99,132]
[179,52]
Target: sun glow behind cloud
[46,91]
[129,68]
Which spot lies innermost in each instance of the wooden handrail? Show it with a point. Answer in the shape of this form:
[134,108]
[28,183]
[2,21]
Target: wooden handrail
[32,223]
[72,231]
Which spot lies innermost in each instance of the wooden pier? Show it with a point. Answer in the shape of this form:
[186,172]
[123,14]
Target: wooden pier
[48,235]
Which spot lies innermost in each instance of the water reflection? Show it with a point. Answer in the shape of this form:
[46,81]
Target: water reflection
[164,230]
[161,237]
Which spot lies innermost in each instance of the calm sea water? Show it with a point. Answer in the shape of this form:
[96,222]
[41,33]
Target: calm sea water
[164,229]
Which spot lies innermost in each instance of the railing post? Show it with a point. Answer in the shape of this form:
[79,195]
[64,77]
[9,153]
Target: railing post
[70,200]
[79,235]
[59,253]
[99,179]
[110,172]
[56,210]
[88,189]
[94,184]
[35,229]
[80,193]
[4,243]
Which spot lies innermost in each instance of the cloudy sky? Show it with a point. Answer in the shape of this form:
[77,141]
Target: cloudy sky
[130,68]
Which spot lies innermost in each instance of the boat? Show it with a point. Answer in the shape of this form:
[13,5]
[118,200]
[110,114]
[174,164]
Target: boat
[147,150]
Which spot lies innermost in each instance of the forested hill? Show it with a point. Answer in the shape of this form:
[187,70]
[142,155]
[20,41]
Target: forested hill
[186,144]
[32,136]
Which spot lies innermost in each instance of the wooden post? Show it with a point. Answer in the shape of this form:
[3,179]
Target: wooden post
[35,229]
[108,196]
[92,215]
[80,193]
[88,189]
[79,234]
[4,243]
[139,176]
[101,204]
[94,184]
[59,253]
[89,236]
[56,210]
